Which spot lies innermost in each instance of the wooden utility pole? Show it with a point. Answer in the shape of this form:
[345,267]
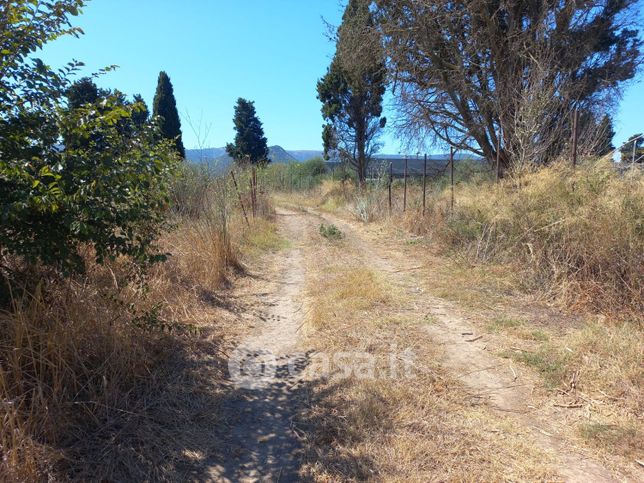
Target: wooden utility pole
[424,183]
[405,190]
[575,121]
[451,164]
[241,203]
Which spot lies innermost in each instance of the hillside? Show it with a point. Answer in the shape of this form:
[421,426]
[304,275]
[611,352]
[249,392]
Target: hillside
[219,157]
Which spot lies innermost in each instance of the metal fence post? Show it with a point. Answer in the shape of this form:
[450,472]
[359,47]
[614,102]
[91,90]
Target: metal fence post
[405,190]
[575,120]
[451,163]
[391,179]
[424,183]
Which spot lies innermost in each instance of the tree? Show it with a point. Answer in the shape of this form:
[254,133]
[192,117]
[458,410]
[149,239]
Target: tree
[351,92]
[141,114]
[165,107]
[101,188]
[84,91]
[633,149]
[466,71]
[250,142]
[605,134]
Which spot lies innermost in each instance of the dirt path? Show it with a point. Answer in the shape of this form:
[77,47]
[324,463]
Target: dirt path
[266,375]
[263,444]
[505,388]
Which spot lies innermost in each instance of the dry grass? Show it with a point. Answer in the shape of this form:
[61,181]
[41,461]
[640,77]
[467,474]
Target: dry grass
[262,237]
[393,428]
[575,236]
[603,361]
[112,375]
[574,239]
[85,381]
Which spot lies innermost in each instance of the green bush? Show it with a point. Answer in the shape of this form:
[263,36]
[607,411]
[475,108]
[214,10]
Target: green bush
[295,176]
[330,232]
[72,176]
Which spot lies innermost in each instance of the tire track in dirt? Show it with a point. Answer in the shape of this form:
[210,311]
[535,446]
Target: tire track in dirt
[259,408]
[489,379]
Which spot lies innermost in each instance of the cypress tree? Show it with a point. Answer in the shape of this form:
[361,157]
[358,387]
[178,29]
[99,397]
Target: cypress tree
[165,106]
[249,140]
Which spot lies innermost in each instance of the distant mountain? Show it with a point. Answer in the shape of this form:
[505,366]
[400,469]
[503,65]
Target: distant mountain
[204,155]
[219,157]
[277,154]
[306,154]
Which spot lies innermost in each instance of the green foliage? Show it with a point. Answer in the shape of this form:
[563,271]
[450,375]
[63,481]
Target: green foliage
[352,90]
[105,186]
[550,362]
[25,27]
[141,113]
[311,168]
[635,141]
[295,176]
[84,91]
[250,142]
[330,232]
[165,107]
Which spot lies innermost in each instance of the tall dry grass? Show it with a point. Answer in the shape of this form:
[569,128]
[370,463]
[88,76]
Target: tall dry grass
[110,375]
[575,235]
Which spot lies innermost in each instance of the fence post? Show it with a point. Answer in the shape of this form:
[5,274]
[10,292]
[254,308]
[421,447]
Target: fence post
[256,183]
[451,164]
[252,190]
[634,146]
[391,180]
[241,203]
[498,155]
[405,190]
[574,137]
[424,182]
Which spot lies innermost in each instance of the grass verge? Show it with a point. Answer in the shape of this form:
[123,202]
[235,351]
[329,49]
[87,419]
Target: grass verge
[392,427]
[113,374]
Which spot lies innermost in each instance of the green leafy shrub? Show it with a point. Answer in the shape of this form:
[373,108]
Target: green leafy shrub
[92,175]
[295,176]
[330,232]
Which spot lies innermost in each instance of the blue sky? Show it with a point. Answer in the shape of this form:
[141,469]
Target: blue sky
[269,51]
